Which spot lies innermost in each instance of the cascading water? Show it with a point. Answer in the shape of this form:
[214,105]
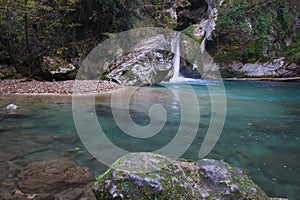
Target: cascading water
[176,60]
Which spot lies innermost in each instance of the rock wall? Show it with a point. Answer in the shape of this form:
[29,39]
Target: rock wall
[149,62]
[244,38]
[142,65]
[278,68]
[251,37]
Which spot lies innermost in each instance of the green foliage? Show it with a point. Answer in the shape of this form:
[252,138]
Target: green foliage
[259,28]
[31,29]
[292,52]
[190,31]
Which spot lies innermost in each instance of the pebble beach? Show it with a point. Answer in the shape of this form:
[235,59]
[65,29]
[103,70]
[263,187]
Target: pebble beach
[20,86]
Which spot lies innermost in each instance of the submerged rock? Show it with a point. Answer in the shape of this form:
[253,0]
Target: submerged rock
[53,179]
[58,179]
[169,179]
[53,176]
[11,107]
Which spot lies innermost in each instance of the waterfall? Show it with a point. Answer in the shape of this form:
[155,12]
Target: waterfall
[176,60]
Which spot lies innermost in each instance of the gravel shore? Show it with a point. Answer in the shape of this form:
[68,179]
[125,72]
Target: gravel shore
[14,86]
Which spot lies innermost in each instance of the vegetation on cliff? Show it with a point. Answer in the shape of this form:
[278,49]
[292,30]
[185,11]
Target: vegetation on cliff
[69,29]
[250,31]
[247,31]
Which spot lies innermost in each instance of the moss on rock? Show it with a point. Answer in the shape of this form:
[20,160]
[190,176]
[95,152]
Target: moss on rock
[152,176]
[143,176]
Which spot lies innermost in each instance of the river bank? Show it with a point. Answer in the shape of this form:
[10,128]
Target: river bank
[263,79]
[21,86]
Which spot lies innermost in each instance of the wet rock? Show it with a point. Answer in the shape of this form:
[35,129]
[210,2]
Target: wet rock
[27,125]
[50,155]
[14,171]
[18,113]
[53,176]
[39,136]
[68,138]
[11,107]
[8,190]
[163,179]
[71,194]
[49,180]
[8,156]
[77,193]
[45,197]
[5,127]
[3,171]
[167,179]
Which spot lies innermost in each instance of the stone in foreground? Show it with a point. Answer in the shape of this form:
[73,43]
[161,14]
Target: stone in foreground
[49,180]
[162,179]
[152,176]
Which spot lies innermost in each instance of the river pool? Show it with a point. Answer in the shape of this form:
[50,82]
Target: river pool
[260,134]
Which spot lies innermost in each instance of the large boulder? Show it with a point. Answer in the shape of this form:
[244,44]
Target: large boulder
[213,179]
[55,68]
[53,176]
[162,179]
[152,176]
[149,62]
[53,179]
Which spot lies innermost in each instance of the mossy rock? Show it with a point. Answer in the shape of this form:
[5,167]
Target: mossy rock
[152,176]
[143,176]
[213,179]
[194,31]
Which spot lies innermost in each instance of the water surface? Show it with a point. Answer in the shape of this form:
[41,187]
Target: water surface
[260,135]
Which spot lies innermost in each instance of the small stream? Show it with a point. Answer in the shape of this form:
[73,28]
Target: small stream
[260,135]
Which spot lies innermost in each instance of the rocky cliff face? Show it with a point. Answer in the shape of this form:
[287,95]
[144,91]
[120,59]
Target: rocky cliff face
[257,32]
[278,68]
[245,39]
[150,61]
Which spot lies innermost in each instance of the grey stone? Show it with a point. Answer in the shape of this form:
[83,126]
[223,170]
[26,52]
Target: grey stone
[168,179]
[149,62]
[53,176]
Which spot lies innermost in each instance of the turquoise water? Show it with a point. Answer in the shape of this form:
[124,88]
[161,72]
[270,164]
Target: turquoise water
[260,135]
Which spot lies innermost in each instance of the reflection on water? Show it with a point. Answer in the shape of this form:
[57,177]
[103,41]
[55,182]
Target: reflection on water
[261,132]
